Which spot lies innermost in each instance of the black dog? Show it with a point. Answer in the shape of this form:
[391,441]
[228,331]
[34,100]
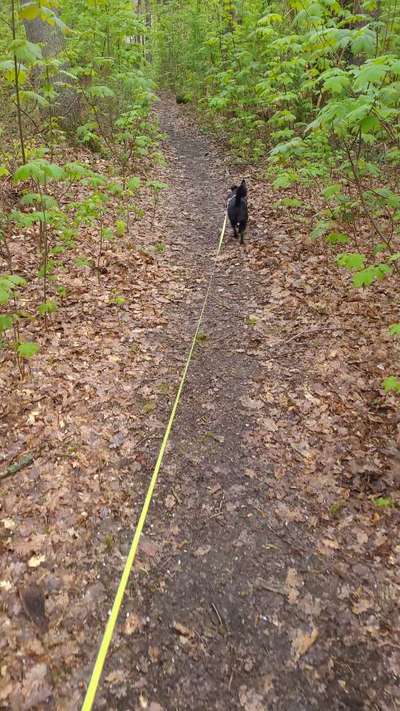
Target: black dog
[237,209]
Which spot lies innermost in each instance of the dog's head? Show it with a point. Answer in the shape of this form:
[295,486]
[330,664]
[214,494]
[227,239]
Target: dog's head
[242,186]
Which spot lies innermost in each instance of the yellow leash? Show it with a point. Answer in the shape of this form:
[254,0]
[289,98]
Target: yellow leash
[112,620]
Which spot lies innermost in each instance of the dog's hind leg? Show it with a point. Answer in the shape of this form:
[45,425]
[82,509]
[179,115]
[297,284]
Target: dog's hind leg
[233,225]
[242,228]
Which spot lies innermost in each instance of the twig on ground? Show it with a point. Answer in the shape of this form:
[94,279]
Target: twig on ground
[176,496]
[220,619]
[301,551]
[262,584]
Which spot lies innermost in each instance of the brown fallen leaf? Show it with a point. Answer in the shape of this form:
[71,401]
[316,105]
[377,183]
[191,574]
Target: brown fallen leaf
[362,537]
[330,543]
[6,688]
[250,473]
[202,550]
[36,560]
[302,642]
[9,524]
[143,700]
[154,653]
[217,438]
[36,688]
[250,700]
[170,501]
[149,548]
[250,403]
[116,677]
[361,606]
[183,631]
[33,603]
[269,425]
[214,489]
[35,647]
[133,624]
[292,583]
[267,683]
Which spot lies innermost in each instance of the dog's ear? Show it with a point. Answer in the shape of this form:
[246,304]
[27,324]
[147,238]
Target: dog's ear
[233,187]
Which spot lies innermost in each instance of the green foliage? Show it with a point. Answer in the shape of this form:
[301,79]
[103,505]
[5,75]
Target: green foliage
[40,170]
[291,202]
[106,59]
[336,508]
[133,183]
[120,228]
[351,261]
[48,307]
[384,502]
[83,262]
[118,300]
[156,186]
[8,284]
[366,277]
[334,238]
[93,84]
[6,322]
[160,247]
[391,384]
[27,349]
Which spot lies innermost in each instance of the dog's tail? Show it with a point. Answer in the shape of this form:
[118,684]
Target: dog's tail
[241,192]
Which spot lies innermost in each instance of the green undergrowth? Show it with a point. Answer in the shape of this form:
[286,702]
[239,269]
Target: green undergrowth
[310,91]
[81,87]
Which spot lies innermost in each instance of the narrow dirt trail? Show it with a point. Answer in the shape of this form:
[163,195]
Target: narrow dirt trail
[231,604]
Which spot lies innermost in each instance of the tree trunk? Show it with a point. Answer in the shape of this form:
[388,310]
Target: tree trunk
[52,40]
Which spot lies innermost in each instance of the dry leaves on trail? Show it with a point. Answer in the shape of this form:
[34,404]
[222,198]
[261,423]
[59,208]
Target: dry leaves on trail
[182,630]
[292,585]
[133,624]
[303,641]
[202,551]
[328,433]
[251,700]
[86,412]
